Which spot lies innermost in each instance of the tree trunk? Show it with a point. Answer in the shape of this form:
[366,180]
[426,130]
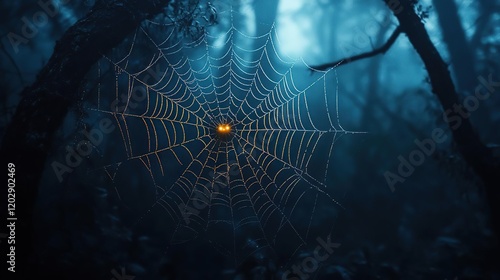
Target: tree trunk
[266,12]
[474,152]
[373,71]
[44,105]
[487,9]
[461,55]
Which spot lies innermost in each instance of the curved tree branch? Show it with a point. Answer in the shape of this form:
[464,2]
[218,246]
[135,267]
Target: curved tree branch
[381,50]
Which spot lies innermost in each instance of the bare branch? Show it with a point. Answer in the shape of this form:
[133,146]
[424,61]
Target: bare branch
[384,48]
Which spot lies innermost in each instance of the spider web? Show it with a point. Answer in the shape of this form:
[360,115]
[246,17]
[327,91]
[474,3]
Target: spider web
[263,188]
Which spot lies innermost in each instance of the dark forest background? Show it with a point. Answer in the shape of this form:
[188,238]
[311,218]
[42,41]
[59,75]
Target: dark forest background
[420,59]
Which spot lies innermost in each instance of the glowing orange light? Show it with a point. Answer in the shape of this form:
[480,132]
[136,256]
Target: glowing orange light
[223,128]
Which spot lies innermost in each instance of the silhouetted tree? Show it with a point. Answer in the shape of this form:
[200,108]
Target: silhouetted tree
[265,14]
[487,8]
[461,55]
[477,155]
[44,104]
